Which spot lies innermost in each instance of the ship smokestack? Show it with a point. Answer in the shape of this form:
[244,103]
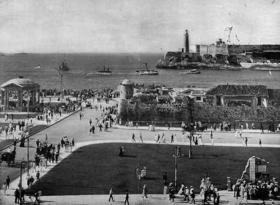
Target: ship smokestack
[187,45]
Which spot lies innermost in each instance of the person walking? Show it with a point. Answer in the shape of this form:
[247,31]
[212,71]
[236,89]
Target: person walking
[246,141]
[262,128]
[141,138]
[158,138]
[126,201]
[192,194]
[111,195]
[92,129]
[17,196]
[100,127]
[8,180]
[145,191]
[211,137]
[90,122]
[171,190]
[133,137]
[172,138]
[260,142]
[38,175]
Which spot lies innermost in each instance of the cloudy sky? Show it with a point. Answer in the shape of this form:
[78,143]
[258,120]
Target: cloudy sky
[132,25]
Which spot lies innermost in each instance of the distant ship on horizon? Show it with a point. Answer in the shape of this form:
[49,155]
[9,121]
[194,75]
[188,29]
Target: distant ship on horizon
[105,71]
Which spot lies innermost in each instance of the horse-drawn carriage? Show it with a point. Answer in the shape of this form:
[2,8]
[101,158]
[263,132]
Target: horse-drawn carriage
[8,157]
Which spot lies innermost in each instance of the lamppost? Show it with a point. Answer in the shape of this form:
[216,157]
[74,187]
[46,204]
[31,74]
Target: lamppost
[191,108]
[27,134]
[20,181]
[20,177]
[176,156]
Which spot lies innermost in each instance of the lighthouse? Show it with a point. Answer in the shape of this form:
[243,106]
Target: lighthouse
[187,45]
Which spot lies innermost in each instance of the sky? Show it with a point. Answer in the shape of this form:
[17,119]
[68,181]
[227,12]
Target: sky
[44,26]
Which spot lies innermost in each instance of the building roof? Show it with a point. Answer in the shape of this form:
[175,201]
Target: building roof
[126,82]
[20,82]
[255,90]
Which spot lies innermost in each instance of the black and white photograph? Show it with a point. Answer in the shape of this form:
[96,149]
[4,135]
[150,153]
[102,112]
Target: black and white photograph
[139,102]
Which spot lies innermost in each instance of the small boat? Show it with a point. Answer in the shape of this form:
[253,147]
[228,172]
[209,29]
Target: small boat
[37,67]
[63,67]
[105,71]
[147,71]
[192,71]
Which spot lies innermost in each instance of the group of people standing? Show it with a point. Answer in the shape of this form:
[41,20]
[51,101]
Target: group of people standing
[187,192]
[263,190]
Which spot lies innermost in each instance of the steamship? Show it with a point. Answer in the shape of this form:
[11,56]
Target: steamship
[147,71]
[105,71]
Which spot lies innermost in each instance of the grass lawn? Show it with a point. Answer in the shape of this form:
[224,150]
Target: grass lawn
[12,172]
[94,168]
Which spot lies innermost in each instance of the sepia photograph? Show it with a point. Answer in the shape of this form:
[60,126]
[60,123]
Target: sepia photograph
[139,102]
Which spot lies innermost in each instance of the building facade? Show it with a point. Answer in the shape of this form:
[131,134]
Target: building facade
[235,95]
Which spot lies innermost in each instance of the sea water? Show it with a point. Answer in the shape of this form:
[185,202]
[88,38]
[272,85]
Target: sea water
[41,68]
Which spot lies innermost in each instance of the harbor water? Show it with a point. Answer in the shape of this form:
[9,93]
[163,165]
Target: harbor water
[41,68]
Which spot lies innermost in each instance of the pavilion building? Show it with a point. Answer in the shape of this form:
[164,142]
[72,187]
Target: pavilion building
[20,95]
[234,95]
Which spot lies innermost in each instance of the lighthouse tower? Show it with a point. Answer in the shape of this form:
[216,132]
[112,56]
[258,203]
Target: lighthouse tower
[187,43]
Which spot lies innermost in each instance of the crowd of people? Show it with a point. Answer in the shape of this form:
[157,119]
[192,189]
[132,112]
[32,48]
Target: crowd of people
[83,94]
[261,189]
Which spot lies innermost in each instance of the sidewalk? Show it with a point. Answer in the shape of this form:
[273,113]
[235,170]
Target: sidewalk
[180,129]
[134,199]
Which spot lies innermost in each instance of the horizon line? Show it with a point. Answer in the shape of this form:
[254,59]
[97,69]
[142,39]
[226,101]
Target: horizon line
[82,52]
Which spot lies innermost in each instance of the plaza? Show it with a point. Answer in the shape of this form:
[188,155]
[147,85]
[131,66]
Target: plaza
[96,155]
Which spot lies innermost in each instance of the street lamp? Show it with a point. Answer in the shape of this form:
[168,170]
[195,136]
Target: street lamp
[191,109]
[27,134]
[20,177]
[190,147]
[176,156]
